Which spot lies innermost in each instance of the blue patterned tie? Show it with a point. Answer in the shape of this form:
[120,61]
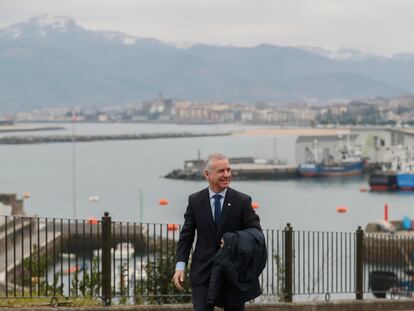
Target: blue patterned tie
[217,208]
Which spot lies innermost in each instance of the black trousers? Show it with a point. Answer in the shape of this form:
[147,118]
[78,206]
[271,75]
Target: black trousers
[199,295]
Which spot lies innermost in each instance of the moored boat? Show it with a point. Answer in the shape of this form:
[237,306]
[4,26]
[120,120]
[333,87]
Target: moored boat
[383,181]
[405,181]
[349,164]
[405,176]
[405,172]
[309,169]
[331,169]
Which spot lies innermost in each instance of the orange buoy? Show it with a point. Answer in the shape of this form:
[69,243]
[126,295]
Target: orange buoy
[163,202]
[93,221]
[26,195]
[363,189]
[255,205]
[341,209]
[172,227]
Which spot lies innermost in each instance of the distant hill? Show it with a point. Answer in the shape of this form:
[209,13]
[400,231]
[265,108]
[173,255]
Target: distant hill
[52,61]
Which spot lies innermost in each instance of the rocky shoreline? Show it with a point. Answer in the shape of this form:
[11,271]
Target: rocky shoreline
[32,139]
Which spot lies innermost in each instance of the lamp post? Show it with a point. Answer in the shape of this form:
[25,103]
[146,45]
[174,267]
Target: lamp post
[73,165]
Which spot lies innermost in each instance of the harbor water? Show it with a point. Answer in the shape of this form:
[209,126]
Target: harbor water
[126,176]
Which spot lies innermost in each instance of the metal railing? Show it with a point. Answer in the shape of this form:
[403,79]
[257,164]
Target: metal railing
[134,262]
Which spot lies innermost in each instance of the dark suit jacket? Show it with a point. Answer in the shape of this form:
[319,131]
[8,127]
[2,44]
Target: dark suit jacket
[237,214]
[237,267]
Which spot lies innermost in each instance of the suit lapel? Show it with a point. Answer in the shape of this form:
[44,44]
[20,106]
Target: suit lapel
[207,211]
[225,211]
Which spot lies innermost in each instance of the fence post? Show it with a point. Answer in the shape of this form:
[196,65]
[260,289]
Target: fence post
[106,259]
[288,294]
[359,264]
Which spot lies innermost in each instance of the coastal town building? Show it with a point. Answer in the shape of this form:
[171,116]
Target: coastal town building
[397,111]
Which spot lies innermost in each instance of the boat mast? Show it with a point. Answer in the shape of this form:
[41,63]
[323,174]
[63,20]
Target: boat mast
[315,150]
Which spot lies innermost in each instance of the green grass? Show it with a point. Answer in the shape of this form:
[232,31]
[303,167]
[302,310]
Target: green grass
[46,302]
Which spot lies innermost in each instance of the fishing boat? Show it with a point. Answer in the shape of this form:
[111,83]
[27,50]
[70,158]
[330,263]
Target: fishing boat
[350,163]
[397,173]
[331,170]
[405,176]
[383,181]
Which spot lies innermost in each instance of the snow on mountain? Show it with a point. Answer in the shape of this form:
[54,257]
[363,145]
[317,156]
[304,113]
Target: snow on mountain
[41,25]
[52,22]
[118,36]
[52,60]
[45,24]
[342,53]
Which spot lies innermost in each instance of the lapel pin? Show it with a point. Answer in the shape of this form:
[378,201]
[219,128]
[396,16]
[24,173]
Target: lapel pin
[228,204]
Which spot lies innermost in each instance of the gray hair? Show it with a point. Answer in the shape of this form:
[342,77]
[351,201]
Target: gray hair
[212,157]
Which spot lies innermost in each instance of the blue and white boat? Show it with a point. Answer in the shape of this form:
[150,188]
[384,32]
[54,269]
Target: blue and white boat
[351,168]
[349,164]
[405,176]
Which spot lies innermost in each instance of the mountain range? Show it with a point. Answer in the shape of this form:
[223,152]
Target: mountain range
[52,61]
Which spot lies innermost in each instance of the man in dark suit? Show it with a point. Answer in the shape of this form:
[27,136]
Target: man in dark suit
[211,213]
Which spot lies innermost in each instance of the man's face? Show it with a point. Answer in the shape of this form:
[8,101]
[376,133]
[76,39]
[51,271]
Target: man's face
[218,175]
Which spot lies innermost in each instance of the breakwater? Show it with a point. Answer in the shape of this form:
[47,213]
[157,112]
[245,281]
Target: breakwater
[22,128]
[34,139]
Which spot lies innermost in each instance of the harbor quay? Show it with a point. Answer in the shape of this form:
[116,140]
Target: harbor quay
[249,168]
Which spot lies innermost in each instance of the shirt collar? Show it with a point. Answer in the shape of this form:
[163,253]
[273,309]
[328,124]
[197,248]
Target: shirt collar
[222,193]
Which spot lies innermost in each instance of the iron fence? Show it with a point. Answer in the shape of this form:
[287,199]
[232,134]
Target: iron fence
[134,262]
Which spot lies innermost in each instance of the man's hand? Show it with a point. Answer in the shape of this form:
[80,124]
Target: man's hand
[221,243]
[178,279]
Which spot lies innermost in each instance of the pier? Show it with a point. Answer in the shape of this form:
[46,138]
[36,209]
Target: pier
[34,139]
[248,168]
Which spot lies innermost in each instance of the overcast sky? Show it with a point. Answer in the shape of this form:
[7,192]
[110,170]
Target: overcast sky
[378,26]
